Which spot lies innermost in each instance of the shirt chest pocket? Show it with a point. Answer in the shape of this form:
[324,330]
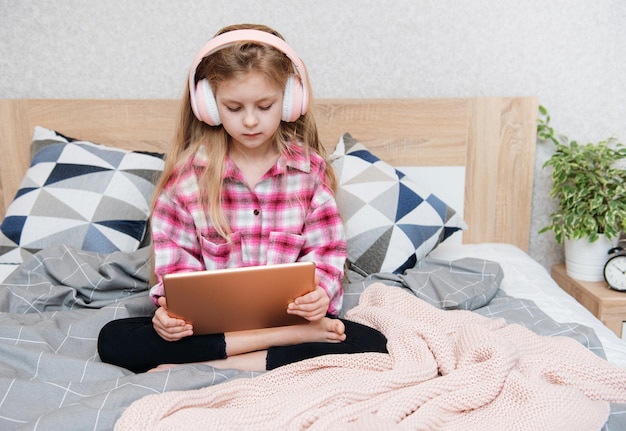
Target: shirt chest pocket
[222,255]
[284,247]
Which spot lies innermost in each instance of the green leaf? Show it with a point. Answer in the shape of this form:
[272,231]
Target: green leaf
[587,184]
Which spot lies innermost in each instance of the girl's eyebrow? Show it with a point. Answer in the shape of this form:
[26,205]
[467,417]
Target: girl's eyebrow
[255,100]
[268,98]
[261,101]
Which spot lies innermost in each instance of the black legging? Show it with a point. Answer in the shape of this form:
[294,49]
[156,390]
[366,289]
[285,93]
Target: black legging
[133,343]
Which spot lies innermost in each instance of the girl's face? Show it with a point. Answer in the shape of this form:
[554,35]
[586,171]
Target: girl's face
[250,108]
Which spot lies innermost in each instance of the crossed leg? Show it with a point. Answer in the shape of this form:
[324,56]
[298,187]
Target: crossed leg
[247,350]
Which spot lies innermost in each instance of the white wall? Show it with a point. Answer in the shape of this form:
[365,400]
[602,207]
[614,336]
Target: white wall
[571,53]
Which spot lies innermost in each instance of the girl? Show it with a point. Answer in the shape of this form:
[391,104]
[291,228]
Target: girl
[245,183]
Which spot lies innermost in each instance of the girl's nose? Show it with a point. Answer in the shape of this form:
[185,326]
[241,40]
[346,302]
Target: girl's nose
[250,119]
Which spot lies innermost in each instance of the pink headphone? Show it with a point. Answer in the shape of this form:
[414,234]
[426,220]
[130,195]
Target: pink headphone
[295,98]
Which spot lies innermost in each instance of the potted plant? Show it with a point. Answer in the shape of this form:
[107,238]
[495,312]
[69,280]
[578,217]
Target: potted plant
[590,189]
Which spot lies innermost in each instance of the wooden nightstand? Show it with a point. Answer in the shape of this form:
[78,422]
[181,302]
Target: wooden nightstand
[608,305]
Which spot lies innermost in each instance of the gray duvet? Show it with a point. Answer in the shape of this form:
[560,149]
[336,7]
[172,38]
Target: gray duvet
[53,306]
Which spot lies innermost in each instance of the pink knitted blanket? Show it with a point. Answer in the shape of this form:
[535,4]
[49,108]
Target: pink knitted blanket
[446,370]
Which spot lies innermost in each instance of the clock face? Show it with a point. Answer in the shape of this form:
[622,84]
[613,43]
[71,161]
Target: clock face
[615,272]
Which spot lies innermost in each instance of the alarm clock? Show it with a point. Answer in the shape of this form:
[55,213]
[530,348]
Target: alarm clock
[615,269]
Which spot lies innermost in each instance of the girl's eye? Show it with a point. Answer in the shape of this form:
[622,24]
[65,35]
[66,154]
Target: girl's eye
[265,108]
[233,109]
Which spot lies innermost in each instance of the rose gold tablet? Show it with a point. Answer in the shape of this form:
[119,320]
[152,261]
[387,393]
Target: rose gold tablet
[237,299]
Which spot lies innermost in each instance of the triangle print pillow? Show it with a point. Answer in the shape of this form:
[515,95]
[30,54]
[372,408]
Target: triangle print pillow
[88,196]
[391,222]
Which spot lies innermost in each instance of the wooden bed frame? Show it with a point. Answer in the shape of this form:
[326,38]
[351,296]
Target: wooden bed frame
[494,138]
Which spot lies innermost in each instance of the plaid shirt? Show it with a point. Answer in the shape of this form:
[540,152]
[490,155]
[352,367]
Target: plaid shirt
[291,215]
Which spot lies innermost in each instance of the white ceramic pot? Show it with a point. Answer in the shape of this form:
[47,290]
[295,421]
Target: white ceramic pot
[585,260]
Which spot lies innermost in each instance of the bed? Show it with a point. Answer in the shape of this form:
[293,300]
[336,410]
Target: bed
[475,155]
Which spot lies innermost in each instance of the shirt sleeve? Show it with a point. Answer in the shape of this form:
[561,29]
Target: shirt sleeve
[175,241]
[325,242]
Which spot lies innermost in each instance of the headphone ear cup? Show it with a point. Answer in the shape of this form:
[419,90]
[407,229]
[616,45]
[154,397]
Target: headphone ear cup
[292,99]
[206,104]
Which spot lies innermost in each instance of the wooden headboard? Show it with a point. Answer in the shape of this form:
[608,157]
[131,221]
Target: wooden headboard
[493,137]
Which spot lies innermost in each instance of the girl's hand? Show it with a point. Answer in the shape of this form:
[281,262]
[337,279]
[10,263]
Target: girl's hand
[169,328]
[312,306]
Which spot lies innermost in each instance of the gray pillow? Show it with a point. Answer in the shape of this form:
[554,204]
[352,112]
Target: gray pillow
[463,284]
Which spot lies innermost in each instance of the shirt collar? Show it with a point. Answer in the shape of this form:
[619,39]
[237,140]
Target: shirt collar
[295,156]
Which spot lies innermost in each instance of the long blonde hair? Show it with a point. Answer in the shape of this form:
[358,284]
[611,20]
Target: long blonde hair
[229,62]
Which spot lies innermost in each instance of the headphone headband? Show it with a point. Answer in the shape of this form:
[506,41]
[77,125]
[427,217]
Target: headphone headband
[225,39]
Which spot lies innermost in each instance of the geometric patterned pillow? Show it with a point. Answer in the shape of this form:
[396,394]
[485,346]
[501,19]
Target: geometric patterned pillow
[85,195]
[391,223]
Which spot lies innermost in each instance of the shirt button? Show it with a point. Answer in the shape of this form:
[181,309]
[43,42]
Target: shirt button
[256,212]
